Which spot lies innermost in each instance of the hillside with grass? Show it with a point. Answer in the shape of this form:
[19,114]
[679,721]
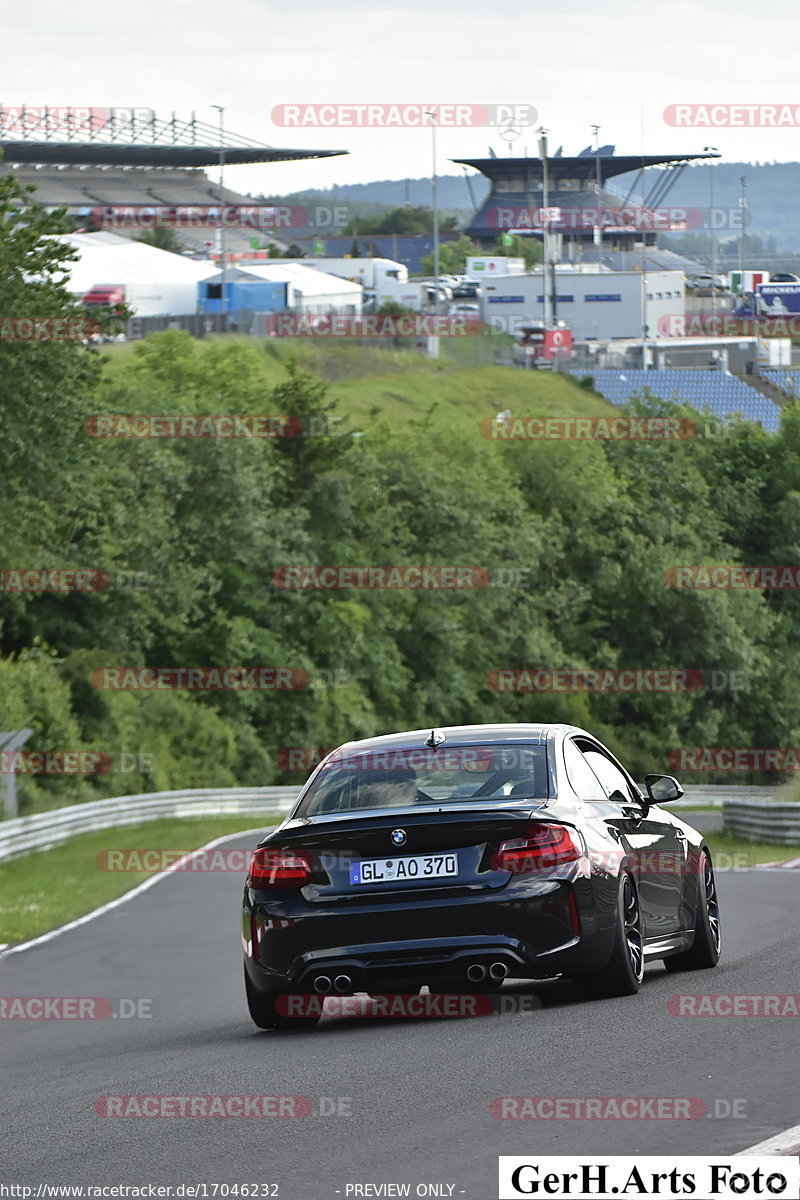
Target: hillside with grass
[567,548]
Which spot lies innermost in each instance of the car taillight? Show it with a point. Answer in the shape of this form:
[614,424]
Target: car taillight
[272,867]
[543,846]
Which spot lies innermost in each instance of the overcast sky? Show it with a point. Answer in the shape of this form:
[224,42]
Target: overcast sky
[576,61]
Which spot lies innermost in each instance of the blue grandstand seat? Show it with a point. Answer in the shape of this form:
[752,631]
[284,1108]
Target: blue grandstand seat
[719,393]
[787,381]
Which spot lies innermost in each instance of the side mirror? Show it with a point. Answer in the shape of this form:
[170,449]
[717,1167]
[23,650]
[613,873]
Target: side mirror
[662,788]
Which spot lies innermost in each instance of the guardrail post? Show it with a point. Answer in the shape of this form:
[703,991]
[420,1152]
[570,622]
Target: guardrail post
[11,740]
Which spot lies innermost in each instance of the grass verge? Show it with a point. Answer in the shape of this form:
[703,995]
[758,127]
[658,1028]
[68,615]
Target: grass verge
[399,388]
[728,851]
[41,891]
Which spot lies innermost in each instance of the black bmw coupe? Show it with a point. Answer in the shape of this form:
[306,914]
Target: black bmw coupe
[456,858]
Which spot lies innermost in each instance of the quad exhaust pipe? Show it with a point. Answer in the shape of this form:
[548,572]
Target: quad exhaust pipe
[322,984]
[476,972]
[343,983]
[498,971]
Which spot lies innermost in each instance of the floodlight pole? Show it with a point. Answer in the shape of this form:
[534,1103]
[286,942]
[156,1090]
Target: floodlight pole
[712,229]
[222,249]
[645,326]
[546,297]
[434,343]
[743,207]
[598,229]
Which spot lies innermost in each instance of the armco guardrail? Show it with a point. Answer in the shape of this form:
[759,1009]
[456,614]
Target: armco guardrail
[762,820]
[41,831]
[747,811]
[714,795]
[754,813]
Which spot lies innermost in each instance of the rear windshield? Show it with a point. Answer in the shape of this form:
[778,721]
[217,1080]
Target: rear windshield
[400,778]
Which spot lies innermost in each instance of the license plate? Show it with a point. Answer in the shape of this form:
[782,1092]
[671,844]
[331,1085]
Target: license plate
[394,870]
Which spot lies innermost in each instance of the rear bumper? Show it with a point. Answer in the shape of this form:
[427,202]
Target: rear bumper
[536,929]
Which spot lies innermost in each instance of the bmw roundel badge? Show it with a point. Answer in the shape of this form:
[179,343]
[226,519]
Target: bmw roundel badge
[398,837]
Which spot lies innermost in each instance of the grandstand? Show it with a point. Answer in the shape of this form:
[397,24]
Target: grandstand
[150,162]
[576,190]
[787,381]
[84,188]
[654,258]
[717,393]
[81,190]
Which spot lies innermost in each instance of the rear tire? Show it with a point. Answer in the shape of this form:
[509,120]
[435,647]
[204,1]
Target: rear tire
[705,950]
[625,971]
[262,1009]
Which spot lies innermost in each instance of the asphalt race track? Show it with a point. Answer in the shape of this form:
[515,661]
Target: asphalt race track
[418,1091]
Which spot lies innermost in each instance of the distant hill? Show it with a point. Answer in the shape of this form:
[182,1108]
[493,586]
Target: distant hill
[772,191]
[452,190]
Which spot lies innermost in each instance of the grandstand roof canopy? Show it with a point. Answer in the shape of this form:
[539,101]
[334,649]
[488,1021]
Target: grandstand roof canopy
[129,138]
[573,168]
[99,154]
[572,182]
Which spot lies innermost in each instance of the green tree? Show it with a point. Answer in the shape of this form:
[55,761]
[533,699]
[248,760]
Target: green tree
[163,238]
[528,248]
[45,380]
[402,222]
[452,257]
